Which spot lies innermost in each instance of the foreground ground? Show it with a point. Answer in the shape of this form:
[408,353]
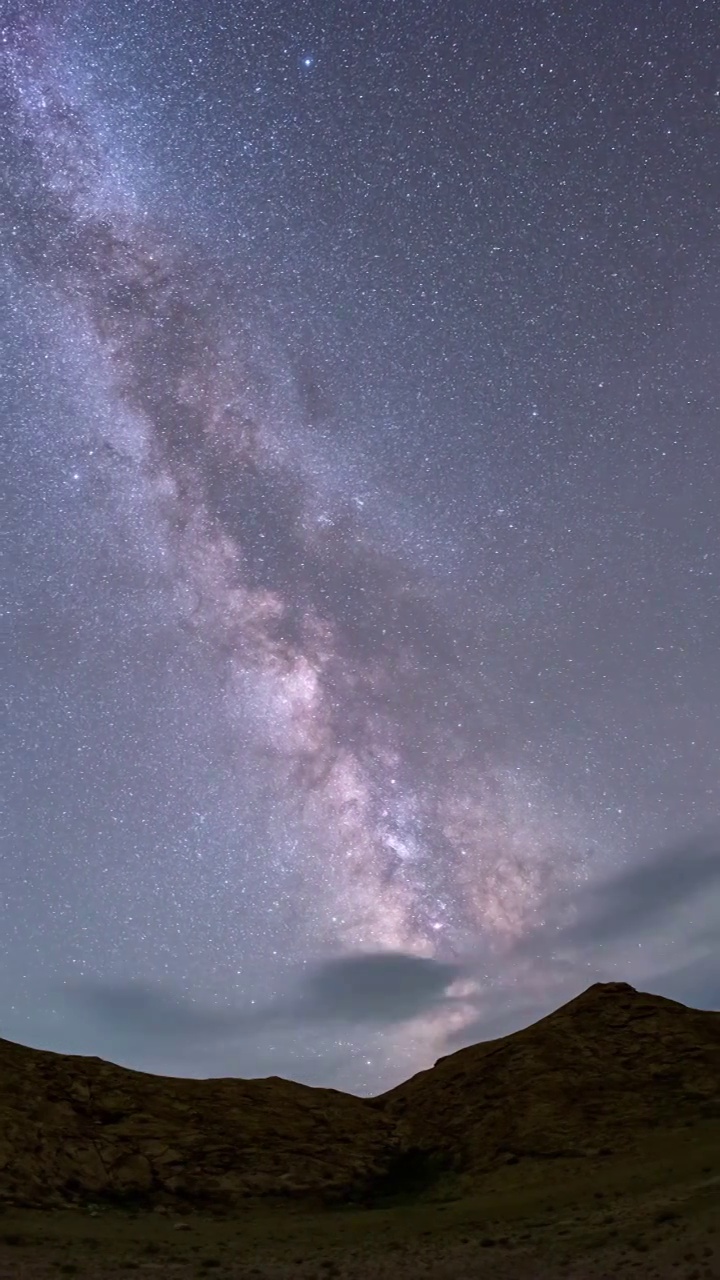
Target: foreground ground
[651,1213]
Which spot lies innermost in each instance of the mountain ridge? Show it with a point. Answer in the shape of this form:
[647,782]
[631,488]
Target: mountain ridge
[589,1077]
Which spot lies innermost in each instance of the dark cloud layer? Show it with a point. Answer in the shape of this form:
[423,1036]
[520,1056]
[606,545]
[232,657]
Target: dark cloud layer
[361,990]
[142,1013]
[640,898]
[384,987]
[643,896]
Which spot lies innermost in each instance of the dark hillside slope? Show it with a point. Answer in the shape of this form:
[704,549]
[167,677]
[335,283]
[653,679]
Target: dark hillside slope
[593,1075]
[74,1128]
[596,1074]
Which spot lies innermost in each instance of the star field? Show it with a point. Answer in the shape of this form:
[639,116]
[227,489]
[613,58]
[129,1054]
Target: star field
[361,407]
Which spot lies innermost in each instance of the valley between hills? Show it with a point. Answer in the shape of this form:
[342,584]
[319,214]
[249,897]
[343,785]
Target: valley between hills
[585,1146]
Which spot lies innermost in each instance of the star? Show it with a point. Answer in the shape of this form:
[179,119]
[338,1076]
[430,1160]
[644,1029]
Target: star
[347,619]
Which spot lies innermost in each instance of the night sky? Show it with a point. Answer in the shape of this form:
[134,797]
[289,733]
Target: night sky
[360,404]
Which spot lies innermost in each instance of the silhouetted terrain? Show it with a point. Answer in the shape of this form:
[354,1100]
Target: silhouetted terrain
[591,1076]
[520,1146]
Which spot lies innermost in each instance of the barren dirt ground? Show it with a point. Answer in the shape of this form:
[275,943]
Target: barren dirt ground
[653,1213]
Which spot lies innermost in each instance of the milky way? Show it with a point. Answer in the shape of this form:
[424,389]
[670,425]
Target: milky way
[355,672]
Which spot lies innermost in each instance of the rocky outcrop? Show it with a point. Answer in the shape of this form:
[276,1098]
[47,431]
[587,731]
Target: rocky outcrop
[74,1128]
[588,1078]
